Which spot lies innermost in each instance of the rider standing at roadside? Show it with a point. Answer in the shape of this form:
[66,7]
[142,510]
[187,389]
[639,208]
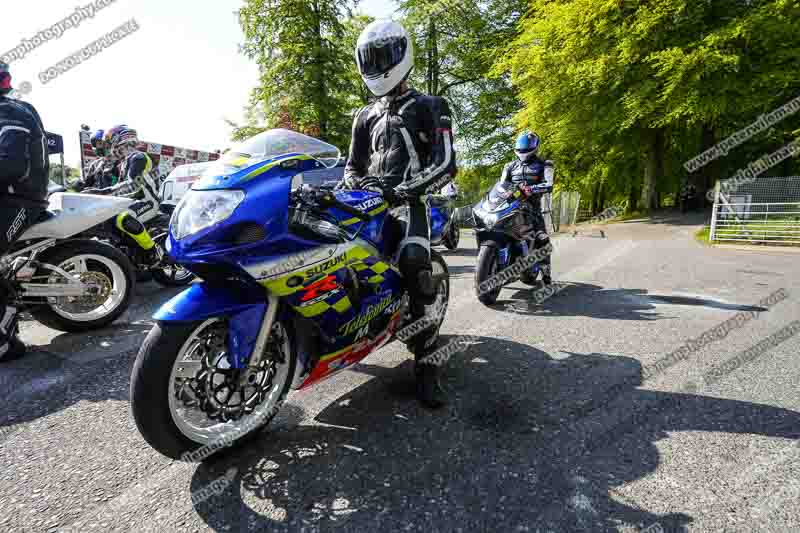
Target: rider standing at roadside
[24,178]
[402,146]
[529,170]
[136,182]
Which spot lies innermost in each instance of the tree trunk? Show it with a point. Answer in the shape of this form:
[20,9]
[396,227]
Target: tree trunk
[432,59]
[601,202]
[595,198]
[319,74]
[706,177]
[633,195]
[654,168]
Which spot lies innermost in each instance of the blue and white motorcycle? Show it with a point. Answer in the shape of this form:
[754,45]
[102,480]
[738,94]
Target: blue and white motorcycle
[298,284]
[503,238]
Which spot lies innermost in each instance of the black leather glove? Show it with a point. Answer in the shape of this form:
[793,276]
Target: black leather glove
[404,193]
[349,183]
[373,184]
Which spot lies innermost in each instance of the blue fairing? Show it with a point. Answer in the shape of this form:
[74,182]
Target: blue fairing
[202,301]
[366,201]
[440,218]
[342,280]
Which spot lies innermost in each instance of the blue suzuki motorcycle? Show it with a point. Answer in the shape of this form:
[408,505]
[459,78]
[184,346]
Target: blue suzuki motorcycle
[442,216]
[298,283]
[503,237]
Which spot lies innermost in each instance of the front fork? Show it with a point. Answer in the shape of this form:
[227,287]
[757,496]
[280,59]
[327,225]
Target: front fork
[246,353]
[505,257]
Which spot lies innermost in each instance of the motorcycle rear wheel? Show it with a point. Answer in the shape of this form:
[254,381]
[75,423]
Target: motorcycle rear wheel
[106,268]
[438,307]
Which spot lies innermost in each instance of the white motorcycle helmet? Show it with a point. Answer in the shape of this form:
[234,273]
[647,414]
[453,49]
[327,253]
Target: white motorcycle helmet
[384,55]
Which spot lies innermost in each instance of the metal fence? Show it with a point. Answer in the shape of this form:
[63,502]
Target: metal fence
[562,207]
[766,211]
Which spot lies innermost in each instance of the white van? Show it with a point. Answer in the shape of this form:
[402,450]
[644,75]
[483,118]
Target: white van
[180,180]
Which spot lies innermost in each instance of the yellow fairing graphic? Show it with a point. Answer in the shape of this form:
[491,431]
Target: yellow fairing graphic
[321,307]
[379,209]
[280,288]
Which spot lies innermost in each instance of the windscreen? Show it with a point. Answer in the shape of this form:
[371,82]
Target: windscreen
[497,196]
[277,142]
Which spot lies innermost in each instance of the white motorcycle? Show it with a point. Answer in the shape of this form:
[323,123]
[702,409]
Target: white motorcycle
[67,283]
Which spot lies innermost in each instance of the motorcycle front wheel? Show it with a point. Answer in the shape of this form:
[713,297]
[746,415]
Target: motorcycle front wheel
[453,236]
[187,401]
[486,269]
[105,270]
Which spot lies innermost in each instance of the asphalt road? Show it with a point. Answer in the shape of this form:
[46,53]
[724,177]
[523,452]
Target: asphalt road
[550,425]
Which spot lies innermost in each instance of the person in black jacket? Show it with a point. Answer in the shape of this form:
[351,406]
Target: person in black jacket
[529,170]
[402,146]
[24,178]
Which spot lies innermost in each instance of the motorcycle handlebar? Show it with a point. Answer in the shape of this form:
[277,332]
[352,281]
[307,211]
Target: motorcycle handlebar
[327,199]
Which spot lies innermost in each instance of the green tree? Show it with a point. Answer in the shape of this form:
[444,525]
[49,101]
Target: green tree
[298,45]
[628,90]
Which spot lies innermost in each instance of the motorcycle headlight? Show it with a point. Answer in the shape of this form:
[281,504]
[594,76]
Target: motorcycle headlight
[490,219]
[198,210]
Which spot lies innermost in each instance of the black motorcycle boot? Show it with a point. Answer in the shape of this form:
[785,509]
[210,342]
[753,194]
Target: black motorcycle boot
[430,392]
[11,347]
[546,279]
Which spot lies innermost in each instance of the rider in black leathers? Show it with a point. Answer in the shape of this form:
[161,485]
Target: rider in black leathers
[529,170]
[402,146]
[24,178]
[104,171]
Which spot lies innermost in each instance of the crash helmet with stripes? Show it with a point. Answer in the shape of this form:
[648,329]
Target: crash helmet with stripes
[97,140]
[527,146]
[121,141]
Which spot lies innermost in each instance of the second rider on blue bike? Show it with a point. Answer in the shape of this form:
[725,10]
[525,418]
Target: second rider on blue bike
[529,170]
[402,146]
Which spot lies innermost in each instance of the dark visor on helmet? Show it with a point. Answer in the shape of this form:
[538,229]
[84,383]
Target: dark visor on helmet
[375,59]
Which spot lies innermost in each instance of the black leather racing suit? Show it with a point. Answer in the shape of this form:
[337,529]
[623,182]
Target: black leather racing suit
[24,177]
[406,143]
[531,173]
[137,182]
[102,173]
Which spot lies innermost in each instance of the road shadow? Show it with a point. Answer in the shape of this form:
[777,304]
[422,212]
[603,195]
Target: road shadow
[518,448]
[459,252]
[461,271]
[62,369]
[703,302]
[579,299]
[673,218]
